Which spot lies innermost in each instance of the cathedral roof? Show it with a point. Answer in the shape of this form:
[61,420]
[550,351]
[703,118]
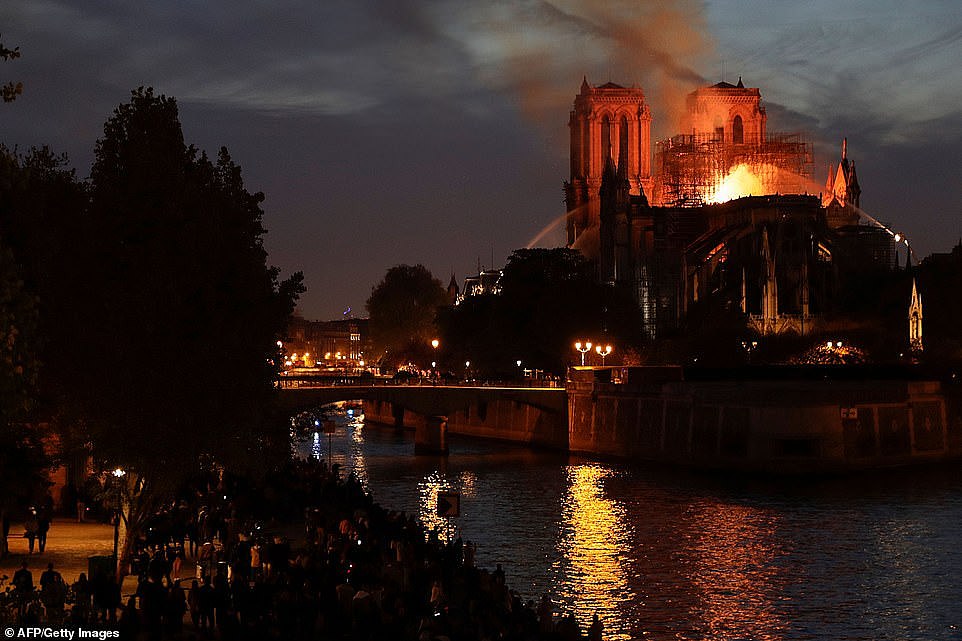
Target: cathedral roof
[610,85]
[728,85]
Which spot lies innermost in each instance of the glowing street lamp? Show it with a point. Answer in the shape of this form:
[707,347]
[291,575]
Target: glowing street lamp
[602,352]
[118,473]
[434,364]
[584,348]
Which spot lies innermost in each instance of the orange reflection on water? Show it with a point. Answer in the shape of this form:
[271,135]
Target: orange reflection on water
[593,546]
[359,466]
[428,489]
[733,570]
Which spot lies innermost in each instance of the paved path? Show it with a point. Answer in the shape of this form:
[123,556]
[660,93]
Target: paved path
[69,544]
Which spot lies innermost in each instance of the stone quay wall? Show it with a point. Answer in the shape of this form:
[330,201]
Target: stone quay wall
[783,424]
[492,418]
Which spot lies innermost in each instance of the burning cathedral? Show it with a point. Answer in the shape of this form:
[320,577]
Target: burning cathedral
[726,214]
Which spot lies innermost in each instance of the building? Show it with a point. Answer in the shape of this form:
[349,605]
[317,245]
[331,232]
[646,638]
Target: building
[729,219]
[340,343]
[607,123]
[488,281]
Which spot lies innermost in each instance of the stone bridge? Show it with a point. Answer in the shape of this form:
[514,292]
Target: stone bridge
[533,415]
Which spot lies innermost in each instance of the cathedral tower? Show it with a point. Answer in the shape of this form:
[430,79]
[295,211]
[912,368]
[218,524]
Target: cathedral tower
[732,114]
[915,320]
[608,123]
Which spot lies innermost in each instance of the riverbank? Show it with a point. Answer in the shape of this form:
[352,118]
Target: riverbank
[358,571]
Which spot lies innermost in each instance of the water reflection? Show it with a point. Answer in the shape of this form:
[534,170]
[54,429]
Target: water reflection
[591,576]
[428,489]
[355,428]
[733,571]
[669,556]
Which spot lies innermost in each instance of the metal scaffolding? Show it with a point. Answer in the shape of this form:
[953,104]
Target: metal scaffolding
[690,168]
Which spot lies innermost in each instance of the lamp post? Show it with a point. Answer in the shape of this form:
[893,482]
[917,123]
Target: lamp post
[602,352]
[584,348]
[434,363]
[118,474]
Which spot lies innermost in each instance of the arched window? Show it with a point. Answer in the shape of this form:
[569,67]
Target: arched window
[738,131]
[719,128]
[605,139]
[623,143]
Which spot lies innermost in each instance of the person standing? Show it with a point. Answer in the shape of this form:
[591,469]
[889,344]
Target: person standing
[23,587]
[596,631]
[43,526]
[49,576]
[83,591]
[30,527]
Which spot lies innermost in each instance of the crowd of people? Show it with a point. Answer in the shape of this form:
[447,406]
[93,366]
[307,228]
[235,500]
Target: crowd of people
[355,571]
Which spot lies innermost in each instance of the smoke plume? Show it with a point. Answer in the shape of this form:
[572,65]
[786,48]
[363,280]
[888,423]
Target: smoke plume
[541,49]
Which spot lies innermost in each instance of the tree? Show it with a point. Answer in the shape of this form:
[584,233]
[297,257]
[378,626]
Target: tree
[22,460]
[178,320]
[549,298]
[11,90]
[402,308]
[38,201]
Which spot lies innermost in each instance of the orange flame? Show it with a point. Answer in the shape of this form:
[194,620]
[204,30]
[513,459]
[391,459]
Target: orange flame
[740,181]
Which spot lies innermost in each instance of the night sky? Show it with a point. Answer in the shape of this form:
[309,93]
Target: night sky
[411,131]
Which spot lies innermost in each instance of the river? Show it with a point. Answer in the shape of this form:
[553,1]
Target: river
[670,554]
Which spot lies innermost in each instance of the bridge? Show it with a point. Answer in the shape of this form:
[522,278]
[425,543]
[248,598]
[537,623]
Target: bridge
[516,412]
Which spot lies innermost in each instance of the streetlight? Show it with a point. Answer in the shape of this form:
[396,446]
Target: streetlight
[467,364]
[434,364]
[602,352]
[118,474]
[584,348]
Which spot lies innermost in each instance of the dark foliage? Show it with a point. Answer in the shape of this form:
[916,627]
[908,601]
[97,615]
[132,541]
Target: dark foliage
[10,90]
[549,299]
[156,307]
[402,309]
[181,314]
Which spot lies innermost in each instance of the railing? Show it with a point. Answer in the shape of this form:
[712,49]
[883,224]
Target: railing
[319,382]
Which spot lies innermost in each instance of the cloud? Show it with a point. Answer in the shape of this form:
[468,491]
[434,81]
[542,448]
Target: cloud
[871,65]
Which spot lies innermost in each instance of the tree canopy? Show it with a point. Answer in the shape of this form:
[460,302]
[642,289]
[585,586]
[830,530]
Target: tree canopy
[549,298]
[158,312]
[181,313]
[403,308]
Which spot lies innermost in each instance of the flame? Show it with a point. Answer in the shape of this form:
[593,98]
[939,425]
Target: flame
[740,181]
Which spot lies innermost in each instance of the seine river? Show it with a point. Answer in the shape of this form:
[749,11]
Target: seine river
[674,555]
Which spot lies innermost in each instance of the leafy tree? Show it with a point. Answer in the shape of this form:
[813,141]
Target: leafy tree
[402,308]
[549,298]
[175,356]
[22,460]
[11,90]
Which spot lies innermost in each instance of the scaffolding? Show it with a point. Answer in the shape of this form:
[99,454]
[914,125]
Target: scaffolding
[691,167]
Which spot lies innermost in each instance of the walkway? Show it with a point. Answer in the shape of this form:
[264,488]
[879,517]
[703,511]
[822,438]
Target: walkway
[69,544]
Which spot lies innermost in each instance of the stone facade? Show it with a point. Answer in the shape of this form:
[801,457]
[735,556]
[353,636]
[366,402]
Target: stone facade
[608,123]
